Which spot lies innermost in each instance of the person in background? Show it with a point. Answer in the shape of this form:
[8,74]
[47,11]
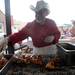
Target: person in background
[43,31]
[72,30]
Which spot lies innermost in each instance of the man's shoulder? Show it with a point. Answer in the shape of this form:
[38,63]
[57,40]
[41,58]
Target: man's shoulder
[31,23]
[50,20]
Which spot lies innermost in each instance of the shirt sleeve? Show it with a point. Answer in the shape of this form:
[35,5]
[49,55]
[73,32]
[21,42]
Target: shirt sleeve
[56,37]
[56,33]
[19,36]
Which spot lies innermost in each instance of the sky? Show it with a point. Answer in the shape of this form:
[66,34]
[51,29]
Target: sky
[62,11]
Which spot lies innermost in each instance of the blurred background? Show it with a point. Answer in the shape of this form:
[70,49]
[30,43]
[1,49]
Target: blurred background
[62,11]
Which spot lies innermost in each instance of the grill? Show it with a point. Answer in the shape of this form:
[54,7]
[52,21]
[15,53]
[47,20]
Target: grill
[13,68]
[29,70]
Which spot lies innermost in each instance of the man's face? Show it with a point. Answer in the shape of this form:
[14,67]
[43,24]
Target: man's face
[43,12]
[40,15]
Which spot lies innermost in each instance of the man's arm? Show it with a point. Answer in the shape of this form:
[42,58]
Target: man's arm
[56,33]
[19,36]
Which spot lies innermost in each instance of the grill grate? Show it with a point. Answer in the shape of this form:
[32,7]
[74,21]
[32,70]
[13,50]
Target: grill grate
[34,70]
[42,73]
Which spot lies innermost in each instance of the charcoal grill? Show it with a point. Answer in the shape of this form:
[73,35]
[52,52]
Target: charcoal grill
[13,68]
[30,69]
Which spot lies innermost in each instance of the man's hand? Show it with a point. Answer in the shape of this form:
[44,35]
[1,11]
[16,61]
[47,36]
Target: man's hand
[49,39]
[3,43]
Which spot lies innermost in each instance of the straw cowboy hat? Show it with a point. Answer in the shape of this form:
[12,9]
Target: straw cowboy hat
[39,5]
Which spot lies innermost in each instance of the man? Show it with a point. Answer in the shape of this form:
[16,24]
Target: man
[43,31]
